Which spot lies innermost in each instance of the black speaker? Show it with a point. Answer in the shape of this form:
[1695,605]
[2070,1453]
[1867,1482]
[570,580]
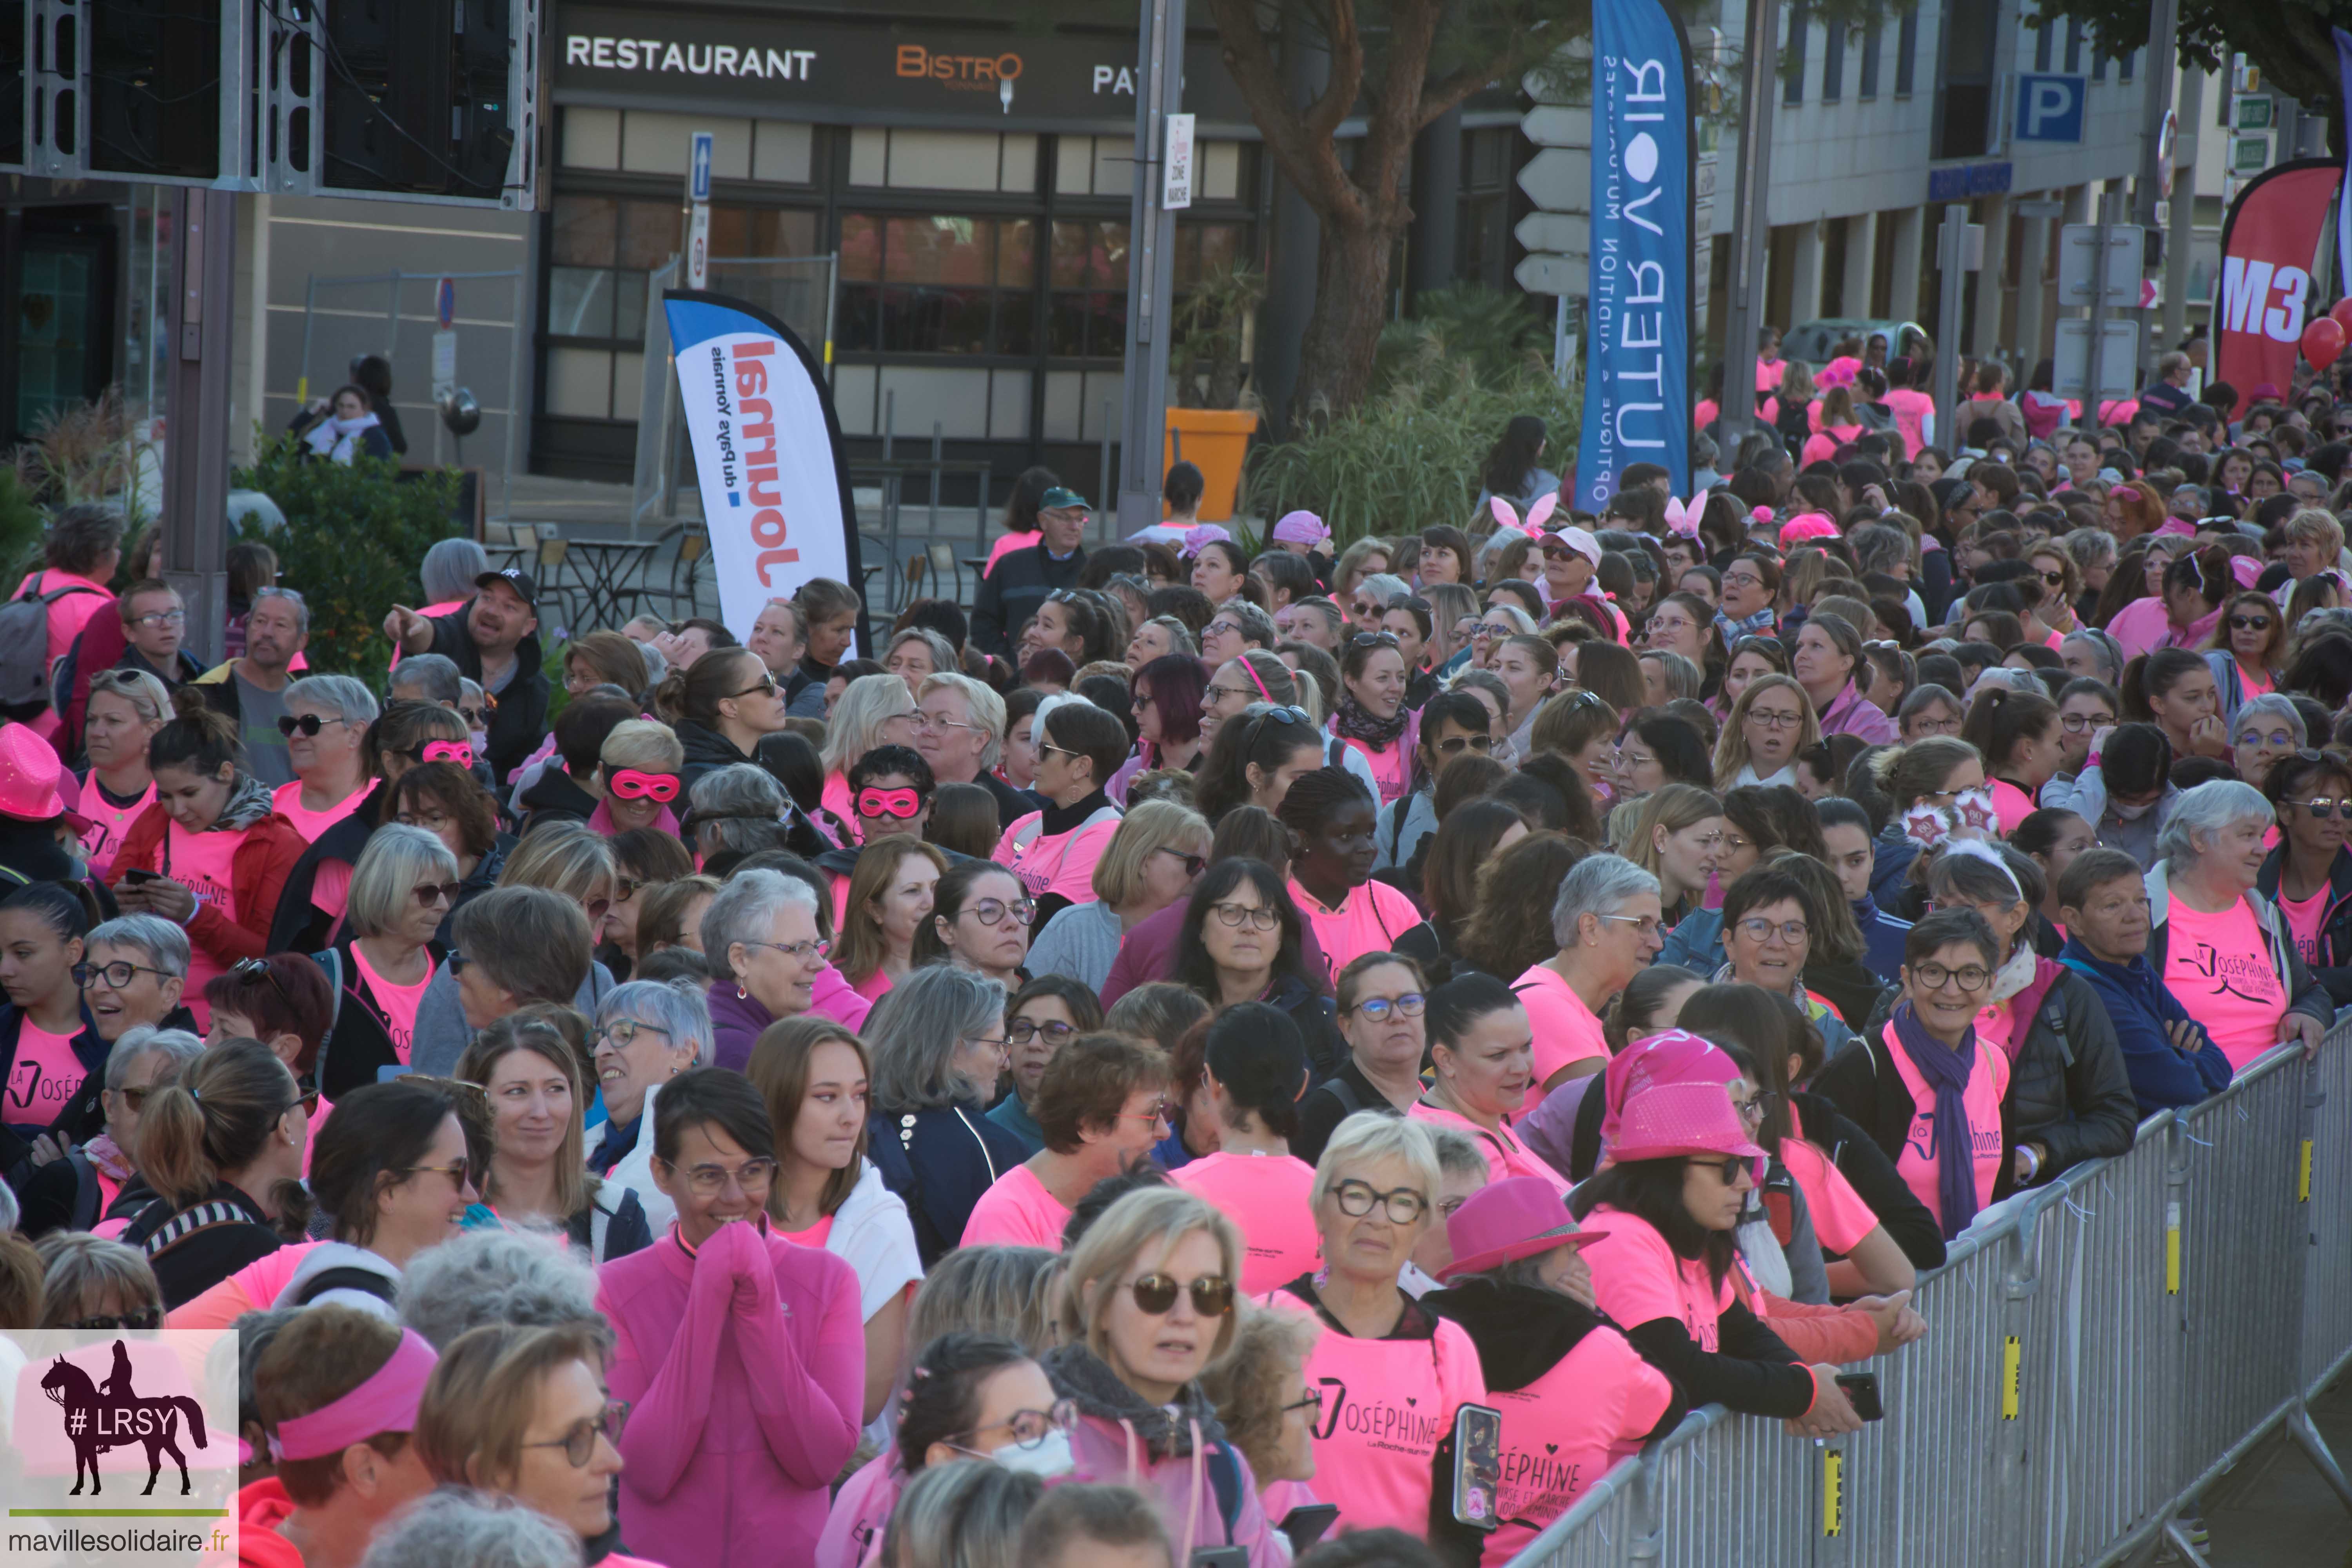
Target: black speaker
[154,87]
[417,96]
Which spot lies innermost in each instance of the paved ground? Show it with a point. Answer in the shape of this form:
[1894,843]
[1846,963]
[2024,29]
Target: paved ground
[2274,1510]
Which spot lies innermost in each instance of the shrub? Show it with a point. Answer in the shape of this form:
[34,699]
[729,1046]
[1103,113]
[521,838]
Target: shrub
[355,533]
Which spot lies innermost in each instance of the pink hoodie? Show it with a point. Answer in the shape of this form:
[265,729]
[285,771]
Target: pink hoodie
[746,1367]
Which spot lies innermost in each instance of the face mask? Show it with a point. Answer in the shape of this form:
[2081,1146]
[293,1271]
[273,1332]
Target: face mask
[481,741]
[2130,813]
[1049,1459]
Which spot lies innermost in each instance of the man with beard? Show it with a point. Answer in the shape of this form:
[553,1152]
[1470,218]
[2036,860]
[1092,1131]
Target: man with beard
[494,640]
[252,690]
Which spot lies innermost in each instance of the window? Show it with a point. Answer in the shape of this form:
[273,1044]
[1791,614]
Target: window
[1832,61]
[1906,53]
[2098,58]
[1088,317]
[2074,44]
[1793,69]
[1870,44]
[2123,66]
[937,284]
[1965,87]
[2041,42]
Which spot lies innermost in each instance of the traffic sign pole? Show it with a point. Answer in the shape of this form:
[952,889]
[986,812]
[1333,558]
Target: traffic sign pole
[700,153]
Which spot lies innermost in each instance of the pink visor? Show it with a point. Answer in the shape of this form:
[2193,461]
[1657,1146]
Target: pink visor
[386,1401]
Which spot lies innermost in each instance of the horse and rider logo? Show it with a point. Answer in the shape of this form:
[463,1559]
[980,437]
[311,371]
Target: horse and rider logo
[113,1415]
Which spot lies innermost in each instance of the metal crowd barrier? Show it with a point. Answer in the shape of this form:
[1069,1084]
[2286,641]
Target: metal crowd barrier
[2094,1361]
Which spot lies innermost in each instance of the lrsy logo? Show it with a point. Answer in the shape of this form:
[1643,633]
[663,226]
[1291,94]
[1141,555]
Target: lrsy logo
[111,1416]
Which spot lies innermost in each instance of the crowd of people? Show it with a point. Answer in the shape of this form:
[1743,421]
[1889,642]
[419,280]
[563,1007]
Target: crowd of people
[1216,1054]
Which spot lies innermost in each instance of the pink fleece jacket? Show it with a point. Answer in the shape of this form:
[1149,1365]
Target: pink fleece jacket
[746,1366]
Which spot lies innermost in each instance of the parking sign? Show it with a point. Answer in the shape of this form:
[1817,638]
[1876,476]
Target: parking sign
[2049,107]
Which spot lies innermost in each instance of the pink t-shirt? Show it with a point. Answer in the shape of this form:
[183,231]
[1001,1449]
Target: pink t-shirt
[1841,1217]
[1017,1211]
[1637,1279]
[1386,1405]
[2139,626]
[200,863]
[1392,768]
[45,1074]
[396,1005]
[1917,1164]
[331,888]
[2010,805]
[1060,863]
[2253,682]
[2303,918]
[813,1237]
[1005,544]
[71,611]
[1566,1030]
[107,823]
[1271,1199]
[286,799]
[1506,1155]
[873,986]
[1368,920]
[1562,1432]
[2219,966]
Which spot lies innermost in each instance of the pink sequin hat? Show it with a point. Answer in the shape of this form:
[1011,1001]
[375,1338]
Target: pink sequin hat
[30,771]
[1677,1119]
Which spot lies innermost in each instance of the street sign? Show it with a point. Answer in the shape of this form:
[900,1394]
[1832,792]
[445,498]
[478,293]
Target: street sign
[1559,232]
[1176,165]
[2049,107]
[2076,266]
[444,304]
[1553,126]
[2250,154]
[2037,208]
[1958,182]
[444,360]
[1553,274]
[2256,111]
[1558,180]
[698,247]
[2118,358]
[698,180]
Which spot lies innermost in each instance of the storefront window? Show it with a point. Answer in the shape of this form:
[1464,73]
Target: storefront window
[938,284]
[1089,284]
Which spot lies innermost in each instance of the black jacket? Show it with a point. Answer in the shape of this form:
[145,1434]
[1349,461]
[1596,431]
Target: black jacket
[1317,1019]
[2068,1088]
[553,797]
[940,1160]
[359,1043]
[194,1249]
[300,925]
[519,722]
[79,1117]
[1332,1101]
[707,750]
[2334,965]
[1013,589]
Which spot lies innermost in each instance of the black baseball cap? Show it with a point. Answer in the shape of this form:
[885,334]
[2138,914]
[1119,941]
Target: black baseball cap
[514,578]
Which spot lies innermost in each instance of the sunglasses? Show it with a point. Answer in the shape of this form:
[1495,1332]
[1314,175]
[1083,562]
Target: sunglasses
[1373,639]
[431,893]
[2322,808]
[902,804]
[766,685]
[2251,623]
[477,718]
[308,723]
[1021,1031]
[1155,1294]
[145,1317]
[1193,863]
[631,783]
[1454,745]
[1728,1168]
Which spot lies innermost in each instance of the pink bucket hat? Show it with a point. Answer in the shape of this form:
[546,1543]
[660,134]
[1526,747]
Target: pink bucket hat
[30,771]
[1301,528]
[1677,1119]
[1808,525]
[1513,1218]
[1670,1056]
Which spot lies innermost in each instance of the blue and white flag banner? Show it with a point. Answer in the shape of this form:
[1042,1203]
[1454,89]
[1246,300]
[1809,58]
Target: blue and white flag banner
[1637,306]
[767,453]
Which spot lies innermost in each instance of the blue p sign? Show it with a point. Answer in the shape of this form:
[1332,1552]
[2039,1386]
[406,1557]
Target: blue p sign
[2050,109]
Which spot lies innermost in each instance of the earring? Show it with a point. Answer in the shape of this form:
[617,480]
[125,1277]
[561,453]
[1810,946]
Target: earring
[741,994]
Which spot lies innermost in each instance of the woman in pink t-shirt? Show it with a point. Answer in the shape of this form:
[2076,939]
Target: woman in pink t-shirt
[126,707]
[2224,950]
[401,892]
[1606,921]
[1393,1375]
[1482,1050]
[1101,1106]
[1053,851]
[2018,733]
[2247,649]
[1370,716]
[1331,816]
[1256,1067]
[49,1045]
[2309,874]
[325,722]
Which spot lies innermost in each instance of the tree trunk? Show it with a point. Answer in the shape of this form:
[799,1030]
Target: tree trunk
[1351,302]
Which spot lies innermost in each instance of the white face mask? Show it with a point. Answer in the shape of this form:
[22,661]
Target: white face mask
[1049,1458]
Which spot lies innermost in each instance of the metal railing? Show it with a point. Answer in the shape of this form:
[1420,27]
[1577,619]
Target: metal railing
[2095,1360]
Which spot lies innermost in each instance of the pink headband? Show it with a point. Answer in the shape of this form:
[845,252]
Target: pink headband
[386,1401]
[1255,678]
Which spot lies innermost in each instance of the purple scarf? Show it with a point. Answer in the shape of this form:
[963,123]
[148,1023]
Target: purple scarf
[1947,1072]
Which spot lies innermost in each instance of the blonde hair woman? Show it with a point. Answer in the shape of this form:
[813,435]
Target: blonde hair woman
[573,859]
[873,710]
[638,758]
[1768,725]
[890,900]
[537,1177]
[1676,836]
[1154,856]
[126,707]
[1149,1299]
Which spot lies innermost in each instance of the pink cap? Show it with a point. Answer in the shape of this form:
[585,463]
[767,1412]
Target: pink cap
[2246,569]
[2180,526]
[1670,1056]
[1301,528]
[1580,540]
[1808,525]
[1677,1119]
[30,771]
[1517,1217]
[386,1401]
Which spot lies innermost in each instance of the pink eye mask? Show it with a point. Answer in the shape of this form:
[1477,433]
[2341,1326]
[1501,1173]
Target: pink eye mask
[629,784]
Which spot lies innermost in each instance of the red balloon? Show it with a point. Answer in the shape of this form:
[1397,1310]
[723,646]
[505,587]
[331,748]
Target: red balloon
[2323,341]
[2341,313]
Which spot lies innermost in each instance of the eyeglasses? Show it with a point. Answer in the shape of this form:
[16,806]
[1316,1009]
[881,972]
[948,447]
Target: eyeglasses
[1312,1399]
[159,619]
[1160,1113]
[1021,1031]
[116,974]
[1222,627]
[579,1445]
[1193,863]
[431,821]
[145,1317]
[802,951]
[2322,808]
[1258,916]
[2251,623]
[1031,1427]
[1933,976]
[308,723]
[1775,720]
[622,1032]
[1155,1294]
[1738,579]
[991,911]
[932,721]
[1216,693]
[431,893]
[2077,722]
[709,1181]
[1752,1108]
[900,805]
[1380,1009]
[2278,739]
[1757,929]
[1643,925]
[1404,1205]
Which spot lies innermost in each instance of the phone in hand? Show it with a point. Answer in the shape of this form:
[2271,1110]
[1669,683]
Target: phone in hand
[1477,1466]
[1218,1557]
[1861,1390]
[137,875]
[1305,1523]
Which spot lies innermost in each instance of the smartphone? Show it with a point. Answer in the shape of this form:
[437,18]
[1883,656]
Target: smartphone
[1862,1393]
[1305,1524]
[1477,1466]
[1218,1557]
[136,874]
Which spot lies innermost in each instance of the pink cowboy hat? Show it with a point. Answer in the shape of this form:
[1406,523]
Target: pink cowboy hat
[1678,1119]
[30,771]
[1513,1218]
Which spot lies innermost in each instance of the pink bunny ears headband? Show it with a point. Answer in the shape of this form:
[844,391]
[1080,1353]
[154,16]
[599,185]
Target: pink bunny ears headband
[1682,517]
[1537,515]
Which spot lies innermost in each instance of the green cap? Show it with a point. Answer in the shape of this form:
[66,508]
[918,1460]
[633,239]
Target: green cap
[1059,498]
